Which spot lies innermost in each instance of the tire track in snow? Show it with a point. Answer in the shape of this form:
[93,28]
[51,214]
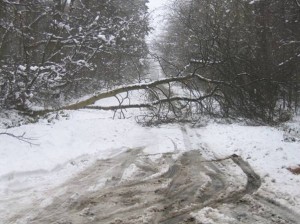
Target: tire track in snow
[151,195]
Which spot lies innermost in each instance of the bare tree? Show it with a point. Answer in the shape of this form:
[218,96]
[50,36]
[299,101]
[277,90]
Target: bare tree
[252,44]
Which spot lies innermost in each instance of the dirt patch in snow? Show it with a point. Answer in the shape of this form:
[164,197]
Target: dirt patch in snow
[294,170]
[134,187]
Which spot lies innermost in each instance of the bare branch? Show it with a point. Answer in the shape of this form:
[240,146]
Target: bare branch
[21,138]
[154,103]
[139,86]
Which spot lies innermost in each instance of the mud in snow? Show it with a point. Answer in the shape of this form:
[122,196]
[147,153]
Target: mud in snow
[135,187]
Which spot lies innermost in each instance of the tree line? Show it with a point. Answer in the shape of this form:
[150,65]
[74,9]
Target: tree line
[231,58]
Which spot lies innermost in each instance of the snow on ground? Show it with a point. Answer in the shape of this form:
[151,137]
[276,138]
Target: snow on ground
[265,149]
[209,215]
[83,133]
[10,118]
[74,140]
[66,146]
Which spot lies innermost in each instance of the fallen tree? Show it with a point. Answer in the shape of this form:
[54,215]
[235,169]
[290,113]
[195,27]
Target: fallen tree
[141,86]
[203,94]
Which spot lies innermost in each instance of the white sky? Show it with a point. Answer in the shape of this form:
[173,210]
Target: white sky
[153,4]
[157,8]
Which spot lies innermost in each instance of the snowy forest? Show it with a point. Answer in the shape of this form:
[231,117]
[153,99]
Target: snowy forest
[54,51]
[253,46]
[149,111]
[246,52]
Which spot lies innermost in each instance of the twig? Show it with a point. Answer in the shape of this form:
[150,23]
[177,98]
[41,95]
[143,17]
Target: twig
[21,138]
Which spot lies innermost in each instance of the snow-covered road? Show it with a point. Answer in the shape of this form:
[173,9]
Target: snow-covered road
[89,145]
